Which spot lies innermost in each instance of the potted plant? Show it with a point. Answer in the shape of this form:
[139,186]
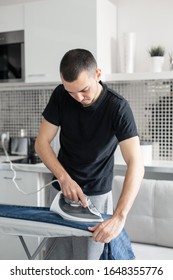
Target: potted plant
[157,58]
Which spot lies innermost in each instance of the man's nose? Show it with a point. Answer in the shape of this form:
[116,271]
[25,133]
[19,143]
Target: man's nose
[78,96]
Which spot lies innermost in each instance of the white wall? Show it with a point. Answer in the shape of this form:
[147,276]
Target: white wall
[107,35]
[152,21]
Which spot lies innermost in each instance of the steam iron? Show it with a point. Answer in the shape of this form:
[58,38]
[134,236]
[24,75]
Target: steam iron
[74,211]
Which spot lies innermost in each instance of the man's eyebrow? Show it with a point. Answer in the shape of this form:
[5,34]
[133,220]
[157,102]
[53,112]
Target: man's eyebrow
[79,90]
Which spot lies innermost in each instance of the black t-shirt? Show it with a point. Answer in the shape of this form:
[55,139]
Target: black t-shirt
[89,136]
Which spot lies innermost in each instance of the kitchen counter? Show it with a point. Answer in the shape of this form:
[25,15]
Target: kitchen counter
[157,170]
[160,166]
[38,168]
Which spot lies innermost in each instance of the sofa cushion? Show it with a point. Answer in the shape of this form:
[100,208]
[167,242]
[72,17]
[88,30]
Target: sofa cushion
[152,252]
[150,219]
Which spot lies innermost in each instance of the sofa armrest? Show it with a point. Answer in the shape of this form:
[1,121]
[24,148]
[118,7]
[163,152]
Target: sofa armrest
[150,219]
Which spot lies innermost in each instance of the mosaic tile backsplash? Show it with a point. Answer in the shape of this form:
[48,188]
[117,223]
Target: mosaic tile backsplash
[151,102]
[21,109]
[152,105]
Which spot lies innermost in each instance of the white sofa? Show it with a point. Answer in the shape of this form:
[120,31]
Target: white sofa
[150,221]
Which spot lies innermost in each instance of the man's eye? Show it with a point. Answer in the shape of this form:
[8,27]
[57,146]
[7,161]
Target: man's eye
[85,90]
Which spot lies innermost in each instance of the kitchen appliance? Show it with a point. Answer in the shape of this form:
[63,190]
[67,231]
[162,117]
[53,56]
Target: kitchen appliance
[74,211]
[12,56]
[23,146]
[18,146]
[27,160]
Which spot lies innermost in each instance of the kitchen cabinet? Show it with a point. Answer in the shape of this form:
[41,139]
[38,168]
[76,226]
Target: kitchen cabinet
[11,18]
[11,247]
[53,27]
[42,36]
[9,194]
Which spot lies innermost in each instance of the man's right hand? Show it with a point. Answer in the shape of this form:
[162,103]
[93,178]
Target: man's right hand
[73,191]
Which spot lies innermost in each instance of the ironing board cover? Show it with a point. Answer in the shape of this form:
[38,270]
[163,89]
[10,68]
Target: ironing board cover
[40,214]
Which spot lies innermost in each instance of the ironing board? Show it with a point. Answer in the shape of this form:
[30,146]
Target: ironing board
[37,222]
[41,222]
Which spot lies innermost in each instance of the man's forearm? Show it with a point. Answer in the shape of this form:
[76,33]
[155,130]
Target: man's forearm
[49,158]
[131,185]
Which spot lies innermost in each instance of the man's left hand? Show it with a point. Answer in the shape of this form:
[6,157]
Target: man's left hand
[107,230]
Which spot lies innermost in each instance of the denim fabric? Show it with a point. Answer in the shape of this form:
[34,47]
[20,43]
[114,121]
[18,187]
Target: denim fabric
[118,249]
[40,214]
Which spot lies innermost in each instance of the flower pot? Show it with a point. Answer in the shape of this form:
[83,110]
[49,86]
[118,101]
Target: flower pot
[157,63]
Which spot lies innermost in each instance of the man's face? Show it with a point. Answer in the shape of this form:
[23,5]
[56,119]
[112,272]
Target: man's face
[85,89]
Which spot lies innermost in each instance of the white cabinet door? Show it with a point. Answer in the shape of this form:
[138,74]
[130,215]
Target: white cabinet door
[27,181]
[53,27]
[41,44]
[11,248]
[11,18]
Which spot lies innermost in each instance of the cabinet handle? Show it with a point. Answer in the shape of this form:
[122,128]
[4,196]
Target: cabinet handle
[10,178]
[36,75]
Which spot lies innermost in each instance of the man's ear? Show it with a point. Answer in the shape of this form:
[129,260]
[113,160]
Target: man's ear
[98,74]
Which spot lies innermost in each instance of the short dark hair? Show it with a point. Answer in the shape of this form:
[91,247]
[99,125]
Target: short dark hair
[74,62]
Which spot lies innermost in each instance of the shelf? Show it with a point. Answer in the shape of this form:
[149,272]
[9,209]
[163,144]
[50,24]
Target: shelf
[116,77]
[27,86]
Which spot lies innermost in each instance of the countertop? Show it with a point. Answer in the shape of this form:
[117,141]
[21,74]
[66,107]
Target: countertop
[161,166]
[158,166]
[39,167]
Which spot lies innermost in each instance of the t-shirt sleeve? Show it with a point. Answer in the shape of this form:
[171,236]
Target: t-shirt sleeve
[124,122]
[52,112]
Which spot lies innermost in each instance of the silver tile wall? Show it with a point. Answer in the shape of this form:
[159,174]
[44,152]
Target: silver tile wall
[151,102]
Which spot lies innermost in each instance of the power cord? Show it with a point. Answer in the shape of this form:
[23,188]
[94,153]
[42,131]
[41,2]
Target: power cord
[3,138]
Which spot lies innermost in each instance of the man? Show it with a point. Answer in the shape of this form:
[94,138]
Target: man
[93,120]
